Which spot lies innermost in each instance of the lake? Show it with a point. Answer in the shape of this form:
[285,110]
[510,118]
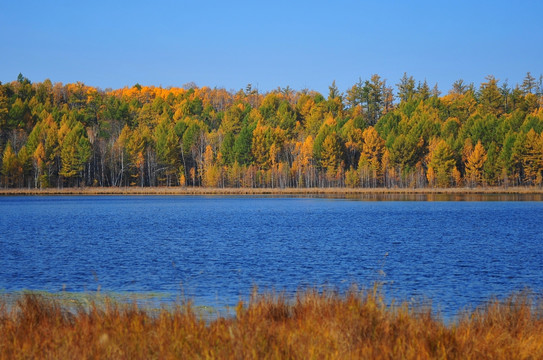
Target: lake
[215,249]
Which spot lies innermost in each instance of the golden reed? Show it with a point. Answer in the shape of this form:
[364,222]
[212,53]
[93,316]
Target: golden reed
[321,325]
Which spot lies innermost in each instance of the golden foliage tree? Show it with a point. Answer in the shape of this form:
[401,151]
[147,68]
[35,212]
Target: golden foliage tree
[532,161]
[331,153]
[441,164]
[11,168]
[371,155]
[474,165]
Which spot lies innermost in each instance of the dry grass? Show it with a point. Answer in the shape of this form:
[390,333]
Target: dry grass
[342,192]
[311,325]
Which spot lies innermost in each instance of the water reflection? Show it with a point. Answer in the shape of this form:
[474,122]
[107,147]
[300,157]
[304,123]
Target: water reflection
[435,197]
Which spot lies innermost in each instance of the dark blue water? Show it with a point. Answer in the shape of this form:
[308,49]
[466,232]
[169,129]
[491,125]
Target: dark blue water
[215,249]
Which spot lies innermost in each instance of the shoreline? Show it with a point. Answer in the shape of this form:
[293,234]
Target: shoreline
[272,191]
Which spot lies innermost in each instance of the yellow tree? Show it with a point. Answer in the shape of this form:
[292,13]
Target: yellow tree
[313,121]
[10,166]
[274,155]
[474,164]
[234,174]
[441,164]
[353,141]
[369,164]
[41,179]
[232,119]
[261,145]
[467,150]
[212,173]
[431,176]
[457,176]
[193,175]
[306,153]
[372,146]
[182,177]
[304,161]
[532,161]
[331,154]
[352,179]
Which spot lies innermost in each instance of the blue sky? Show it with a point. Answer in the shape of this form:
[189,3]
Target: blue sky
[303,44]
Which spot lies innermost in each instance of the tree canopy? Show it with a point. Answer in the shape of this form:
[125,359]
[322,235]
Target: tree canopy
[55,135]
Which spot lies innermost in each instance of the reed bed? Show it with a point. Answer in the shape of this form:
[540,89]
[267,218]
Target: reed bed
[312,324]
[270,191]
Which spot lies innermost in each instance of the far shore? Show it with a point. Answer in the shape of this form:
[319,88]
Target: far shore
[340,192]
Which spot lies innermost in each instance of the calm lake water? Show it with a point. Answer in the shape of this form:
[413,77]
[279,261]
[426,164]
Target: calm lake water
[215,249]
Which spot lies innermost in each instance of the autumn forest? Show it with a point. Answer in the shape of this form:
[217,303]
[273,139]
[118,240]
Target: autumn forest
[372,135]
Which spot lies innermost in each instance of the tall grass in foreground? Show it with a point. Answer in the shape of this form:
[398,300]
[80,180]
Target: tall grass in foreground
[311,325]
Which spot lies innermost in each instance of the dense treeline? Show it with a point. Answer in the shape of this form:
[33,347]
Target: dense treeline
[55,135]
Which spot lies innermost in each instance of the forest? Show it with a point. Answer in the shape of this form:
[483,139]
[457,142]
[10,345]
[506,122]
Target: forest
[372,135]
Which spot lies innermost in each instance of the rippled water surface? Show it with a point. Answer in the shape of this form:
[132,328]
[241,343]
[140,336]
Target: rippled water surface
[215,249]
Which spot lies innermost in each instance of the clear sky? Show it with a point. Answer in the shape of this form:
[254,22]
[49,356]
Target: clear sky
[303,44]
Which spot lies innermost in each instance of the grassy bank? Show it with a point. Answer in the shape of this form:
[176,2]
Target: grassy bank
[311,325]
[271,191]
